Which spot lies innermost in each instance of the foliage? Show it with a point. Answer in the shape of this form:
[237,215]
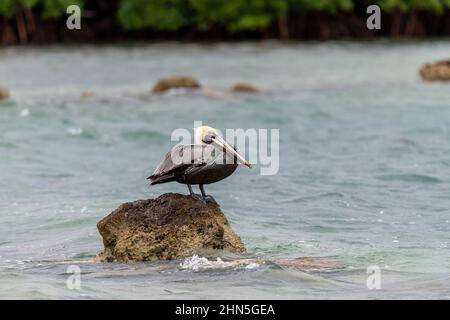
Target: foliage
[234,15]
[158,14]
[49,8]
[436,6]
[329,6]
[237,14]
[9,8]
[56,8]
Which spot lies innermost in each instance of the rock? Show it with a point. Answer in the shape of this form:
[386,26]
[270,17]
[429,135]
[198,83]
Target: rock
[87,94]
[4,93]
[165,228]
[244,88]
[175,82]
[436,71]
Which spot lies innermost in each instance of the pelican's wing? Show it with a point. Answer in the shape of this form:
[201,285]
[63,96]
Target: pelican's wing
[180,159]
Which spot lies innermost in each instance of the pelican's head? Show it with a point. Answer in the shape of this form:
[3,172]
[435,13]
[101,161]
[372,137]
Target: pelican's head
[208,135]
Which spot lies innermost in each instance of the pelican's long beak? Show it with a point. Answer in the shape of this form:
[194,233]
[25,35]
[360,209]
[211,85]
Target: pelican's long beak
[228,149]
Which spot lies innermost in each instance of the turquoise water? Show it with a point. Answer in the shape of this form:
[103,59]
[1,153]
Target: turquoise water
[364,173]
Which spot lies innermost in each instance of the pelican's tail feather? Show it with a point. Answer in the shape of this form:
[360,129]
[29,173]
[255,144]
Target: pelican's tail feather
[161,179]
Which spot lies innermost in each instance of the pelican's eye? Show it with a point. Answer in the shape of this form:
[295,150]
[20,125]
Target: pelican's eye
[208,138]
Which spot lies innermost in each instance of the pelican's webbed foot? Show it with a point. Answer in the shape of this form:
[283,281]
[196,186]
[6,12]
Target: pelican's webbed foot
[207,197]
[194,195]
[210,199]
[198,197]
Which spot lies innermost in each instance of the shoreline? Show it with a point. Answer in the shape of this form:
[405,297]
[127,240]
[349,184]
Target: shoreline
[140,43]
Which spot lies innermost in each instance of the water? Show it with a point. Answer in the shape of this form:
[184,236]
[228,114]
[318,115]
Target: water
[363,181]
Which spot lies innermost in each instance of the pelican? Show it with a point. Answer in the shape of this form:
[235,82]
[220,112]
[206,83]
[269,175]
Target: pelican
[209,160]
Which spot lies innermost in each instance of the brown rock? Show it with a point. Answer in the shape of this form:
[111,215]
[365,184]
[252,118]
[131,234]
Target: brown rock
[4,93]
[175,82]
[87,94]
[244,88]
[439,71]
[165,228]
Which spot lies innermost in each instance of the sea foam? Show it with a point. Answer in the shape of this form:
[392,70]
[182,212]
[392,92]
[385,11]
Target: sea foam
[196,263]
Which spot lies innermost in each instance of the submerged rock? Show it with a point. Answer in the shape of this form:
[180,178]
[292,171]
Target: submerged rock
[87,94]
[165,228]
[244,88]
[4,93]
[436,71]
[175,83]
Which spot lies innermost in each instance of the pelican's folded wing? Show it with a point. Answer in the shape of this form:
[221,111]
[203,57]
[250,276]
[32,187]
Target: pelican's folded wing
[178,160]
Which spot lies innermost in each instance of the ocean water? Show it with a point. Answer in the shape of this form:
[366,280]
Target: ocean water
[364,176]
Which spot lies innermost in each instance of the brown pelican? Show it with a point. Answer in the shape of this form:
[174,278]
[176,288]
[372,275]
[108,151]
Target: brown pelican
[209,160]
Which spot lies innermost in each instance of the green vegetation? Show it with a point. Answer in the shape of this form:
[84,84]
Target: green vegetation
[157,14]
[56,8]
[232,15]
[235,15]
[238,15]
[436,6]
[49,8]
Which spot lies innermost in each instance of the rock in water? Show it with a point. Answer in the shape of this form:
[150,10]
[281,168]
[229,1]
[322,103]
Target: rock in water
[4,93]
[436,71]
[244,87]
[175,83]
[168,227]
[87,94]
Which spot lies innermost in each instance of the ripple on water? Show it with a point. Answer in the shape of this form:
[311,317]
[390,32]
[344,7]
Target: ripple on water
[320,196]
[143,135]
[419,178]
[7,145]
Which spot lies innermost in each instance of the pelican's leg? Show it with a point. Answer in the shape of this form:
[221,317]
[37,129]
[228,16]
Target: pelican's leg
[207,198]
[194,195]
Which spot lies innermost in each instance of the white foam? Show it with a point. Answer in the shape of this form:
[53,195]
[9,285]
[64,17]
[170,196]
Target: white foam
[176,91]
[196,263]
[252,266]
[74,131]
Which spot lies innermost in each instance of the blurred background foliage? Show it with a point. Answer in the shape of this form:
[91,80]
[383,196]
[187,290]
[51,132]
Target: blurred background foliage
[49,8]
[237,15]
[42,21]
[435,6]
[234,15]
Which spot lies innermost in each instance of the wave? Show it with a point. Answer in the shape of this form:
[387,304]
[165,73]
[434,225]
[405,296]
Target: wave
[409,178]
[196,263]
